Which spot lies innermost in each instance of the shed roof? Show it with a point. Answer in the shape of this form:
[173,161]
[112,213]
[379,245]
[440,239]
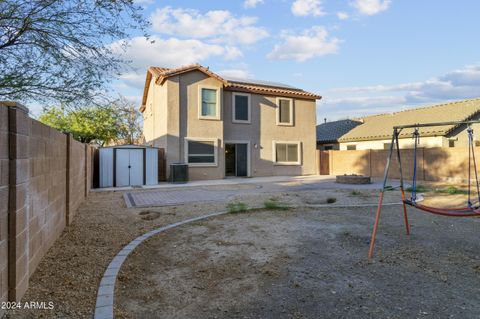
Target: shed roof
[379,127]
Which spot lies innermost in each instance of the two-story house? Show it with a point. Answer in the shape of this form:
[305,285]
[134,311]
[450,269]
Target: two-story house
[226,127]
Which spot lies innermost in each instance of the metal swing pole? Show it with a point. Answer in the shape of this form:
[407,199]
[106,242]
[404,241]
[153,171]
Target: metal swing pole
[405,215]
[472,146]
[380,200]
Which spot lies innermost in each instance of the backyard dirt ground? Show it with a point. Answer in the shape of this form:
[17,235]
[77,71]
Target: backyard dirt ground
[298,263]
[305,263]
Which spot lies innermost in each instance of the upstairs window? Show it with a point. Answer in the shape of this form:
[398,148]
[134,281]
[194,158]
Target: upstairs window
[284,111]
[209,100]
[241,108]
[351,147]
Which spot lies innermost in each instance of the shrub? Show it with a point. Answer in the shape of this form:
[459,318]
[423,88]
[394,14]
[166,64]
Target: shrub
[274,205]
[451,190]
[237,207]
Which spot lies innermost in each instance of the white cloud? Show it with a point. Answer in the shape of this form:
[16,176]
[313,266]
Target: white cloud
[236,73]
[252,3]
[371,7]
[167,52]
[232,53]
[217,26]
[458,84]
[170,52]
[307,7]
[313,42]
[343,15]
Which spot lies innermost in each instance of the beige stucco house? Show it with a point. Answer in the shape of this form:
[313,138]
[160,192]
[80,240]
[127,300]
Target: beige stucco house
[226,127]
[375,132]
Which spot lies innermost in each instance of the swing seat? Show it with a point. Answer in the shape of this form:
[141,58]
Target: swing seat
[453,212]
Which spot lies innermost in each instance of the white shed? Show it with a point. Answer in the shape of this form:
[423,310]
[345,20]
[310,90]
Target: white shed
[128,165]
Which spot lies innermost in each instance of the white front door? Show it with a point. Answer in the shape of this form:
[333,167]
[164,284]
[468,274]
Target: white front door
[129,167]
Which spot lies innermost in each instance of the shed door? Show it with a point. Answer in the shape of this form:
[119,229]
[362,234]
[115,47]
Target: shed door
[136,167]
[129,167]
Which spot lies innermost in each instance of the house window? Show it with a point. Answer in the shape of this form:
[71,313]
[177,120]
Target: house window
[241,108]
[284,111]
[209,102]
[451,143]
[201,152]
[328,147]
[351,147]
[386,146]
[286,153]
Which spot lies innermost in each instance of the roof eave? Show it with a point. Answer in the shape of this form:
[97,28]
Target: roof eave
[305,95]
[148,79]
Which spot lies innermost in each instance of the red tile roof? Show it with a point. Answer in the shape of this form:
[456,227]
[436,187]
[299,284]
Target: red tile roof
[161,74]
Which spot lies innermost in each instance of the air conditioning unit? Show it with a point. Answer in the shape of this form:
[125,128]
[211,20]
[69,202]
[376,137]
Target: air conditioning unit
[178,173]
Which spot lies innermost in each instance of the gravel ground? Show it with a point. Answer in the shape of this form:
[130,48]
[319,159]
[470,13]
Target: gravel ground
[305,263]
[71,270]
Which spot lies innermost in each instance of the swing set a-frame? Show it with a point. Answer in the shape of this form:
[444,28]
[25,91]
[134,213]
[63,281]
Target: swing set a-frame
[468,211]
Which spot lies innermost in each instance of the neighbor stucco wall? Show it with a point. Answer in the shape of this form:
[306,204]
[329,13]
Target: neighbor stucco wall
[460,135]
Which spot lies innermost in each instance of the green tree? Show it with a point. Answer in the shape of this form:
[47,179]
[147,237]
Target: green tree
[100,124]
[64,51]
[130,126]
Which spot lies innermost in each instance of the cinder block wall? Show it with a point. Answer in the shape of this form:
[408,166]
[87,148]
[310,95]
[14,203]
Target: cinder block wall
[46,192]
[44,177]
[433,164]
[4,175]
[77,177]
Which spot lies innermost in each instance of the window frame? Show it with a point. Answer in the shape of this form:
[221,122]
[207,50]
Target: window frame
[198,139]
[217,106]
[299,153]
[291,111]
[249,96]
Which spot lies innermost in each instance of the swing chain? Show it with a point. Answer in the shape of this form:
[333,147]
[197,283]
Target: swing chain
[416,137]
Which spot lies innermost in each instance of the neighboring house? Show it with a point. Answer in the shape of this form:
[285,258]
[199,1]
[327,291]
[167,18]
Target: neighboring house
[376,131]
[328,133]
[226,127]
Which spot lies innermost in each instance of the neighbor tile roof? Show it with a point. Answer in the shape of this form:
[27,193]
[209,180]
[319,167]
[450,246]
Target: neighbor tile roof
[379,127]
[332,131]
[260,87]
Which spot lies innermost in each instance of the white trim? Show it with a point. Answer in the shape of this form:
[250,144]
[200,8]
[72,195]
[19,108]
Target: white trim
[291,111]
[249,159]
[249,96]
[299,152]
[202,139]
[218,108]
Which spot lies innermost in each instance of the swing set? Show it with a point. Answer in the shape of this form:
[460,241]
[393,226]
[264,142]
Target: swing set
[469,210]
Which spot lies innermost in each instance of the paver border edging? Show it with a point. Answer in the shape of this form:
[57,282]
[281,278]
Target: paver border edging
[106,289]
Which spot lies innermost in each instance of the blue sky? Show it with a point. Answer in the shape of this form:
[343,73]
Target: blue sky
[362,56]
